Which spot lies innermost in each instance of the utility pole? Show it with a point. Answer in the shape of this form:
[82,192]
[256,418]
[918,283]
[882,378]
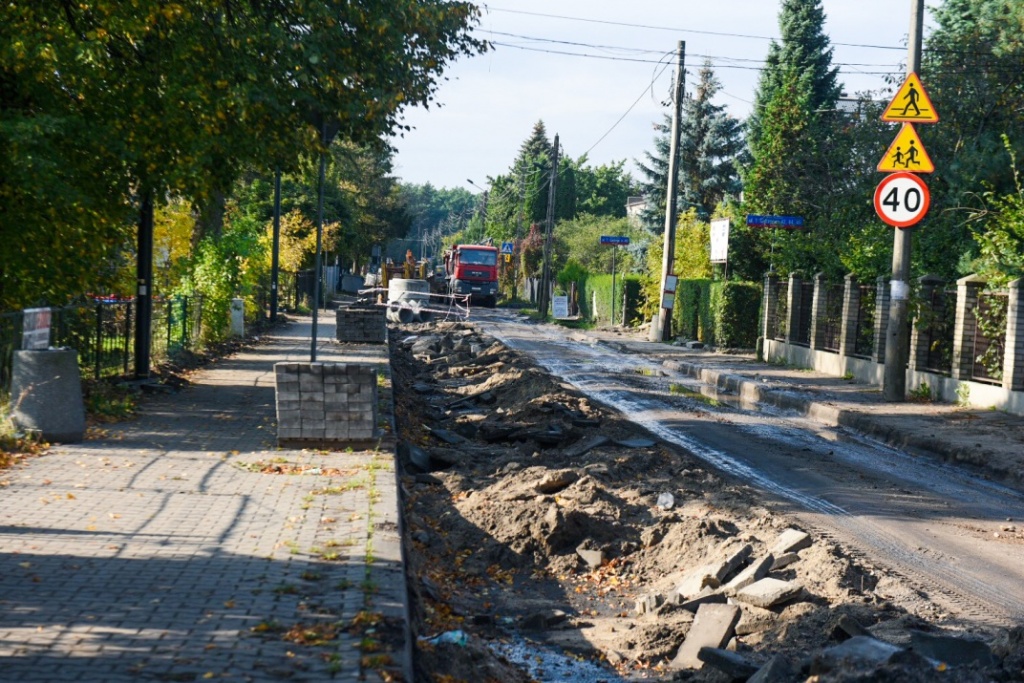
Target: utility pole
[275,252]
[319,238]
[664,322]
[894,377]
[144,283]
[545,280]
[519,234]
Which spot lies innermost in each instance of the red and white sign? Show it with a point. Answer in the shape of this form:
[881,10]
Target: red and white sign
[902,199]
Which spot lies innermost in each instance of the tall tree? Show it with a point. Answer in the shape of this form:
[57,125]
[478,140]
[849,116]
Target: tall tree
[653,181]
[710,140]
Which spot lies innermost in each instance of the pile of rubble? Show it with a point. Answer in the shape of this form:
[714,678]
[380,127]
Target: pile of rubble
[532,513]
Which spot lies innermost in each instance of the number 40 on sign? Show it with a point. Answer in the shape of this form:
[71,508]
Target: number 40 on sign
[902,199]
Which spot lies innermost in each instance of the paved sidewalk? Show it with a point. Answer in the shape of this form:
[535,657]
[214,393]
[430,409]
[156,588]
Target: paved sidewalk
[989,441]
[163,550]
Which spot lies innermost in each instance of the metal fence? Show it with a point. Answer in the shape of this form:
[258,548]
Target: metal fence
[805,304]
[779,318]
[103,333]
[935,328]
[832,325]
[989,342]
[864,342]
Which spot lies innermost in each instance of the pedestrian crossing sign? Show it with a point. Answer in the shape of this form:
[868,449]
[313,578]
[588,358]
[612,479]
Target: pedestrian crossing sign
[906,153]
[507,247]
[911,104]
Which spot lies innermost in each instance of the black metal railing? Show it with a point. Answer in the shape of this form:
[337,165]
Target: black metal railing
[864,342]
[805,306]
[832,324]
[935,329]
[103,333]
[989,342]
[779,318]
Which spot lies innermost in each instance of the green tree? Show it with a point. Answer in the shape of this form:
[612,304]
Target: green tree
[710,143]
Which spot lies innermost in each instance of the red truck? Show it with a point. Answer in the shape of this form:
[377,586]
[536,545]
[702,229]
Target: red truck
[473,269]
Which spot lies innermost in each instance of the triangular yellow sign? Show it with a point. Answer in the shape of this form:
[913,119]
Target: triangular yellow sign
[906,153]
[911,104]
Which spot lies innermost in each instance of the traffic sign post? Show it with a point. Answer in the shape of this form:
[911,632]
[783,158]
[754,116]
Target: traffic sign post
[902,199]
[615,241]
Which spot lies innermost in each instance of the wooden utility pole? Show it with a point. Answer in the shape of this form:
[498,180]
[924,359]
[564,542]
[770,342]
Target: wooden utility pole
[545,280]
[894,378]
[664,322]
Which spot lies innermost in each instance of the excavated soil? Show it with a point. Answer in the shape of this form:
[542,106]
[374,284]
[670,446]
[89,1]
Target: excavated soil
[534,516]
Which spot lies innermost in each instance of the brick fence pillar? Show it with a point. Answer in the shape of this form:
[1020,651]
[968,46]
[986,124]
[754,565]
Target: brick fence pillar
[793,312]
[919,338]
[851,304]
[770,303]
[818,311]
[967,291]
[881,318]
[1013,361]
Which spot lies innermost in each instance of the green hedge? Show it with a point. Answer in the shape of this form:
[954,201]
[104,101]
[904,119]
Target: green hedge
[598,287]
[722,314]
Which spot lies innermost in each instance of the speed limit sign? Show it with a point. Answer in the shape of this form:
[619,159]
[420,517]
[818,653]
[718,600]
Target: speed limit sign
[902,199]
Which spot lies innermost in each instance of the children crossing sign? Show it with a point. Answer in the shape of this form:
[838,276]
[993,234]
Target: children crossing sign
[911,104]
[906,153]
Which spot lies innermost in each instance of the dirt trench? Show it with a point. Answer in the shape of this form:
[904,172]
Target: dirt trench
[534,515]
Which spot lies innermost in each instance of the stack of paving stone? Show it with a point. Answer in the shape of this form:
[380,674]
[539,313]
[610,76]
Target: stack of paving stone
[326,402]
[362,323]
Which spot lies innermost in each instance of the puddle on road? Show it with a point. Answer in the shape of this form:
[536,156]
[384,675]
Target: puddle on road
[548,666]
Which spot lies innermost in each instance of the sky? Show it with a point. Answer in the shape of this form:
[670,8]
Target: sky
[604,105]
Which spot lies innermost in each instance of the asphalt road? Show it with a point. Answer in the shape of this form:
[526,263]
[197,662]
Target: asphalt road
[935,527]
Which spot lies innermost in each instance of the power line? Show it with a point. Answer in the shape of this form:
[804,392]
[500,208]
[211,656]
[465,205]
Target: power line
[675,30]
[635,102]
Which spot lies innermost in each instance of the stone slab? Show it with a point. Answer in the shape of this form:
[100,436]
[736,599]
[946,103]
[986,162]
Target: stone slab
[713,626]
[790,541]
[768,592]
[755,571]
[46,394]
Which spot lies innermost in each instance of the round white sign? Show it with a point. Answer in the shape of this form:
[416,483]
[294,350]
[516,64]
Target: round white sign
[902,199]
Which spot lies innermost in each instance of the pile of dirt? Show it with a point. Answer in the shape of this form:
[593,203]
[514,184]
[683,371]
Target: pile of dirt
[532,513]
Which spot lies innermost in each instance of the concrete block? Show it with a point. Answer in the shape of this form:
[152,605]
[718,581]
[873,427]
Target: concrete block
[790,541]
[768,592]
[713,626]
[755,620]
[951,649]
[593,558]
[778,669]
[285,406]
[648,603]
[706,596]
[847,627]
[732,561]
[860,650]
[784,560]
[46,394]
[736,667]
[755,571]
[361,432]
[697,580]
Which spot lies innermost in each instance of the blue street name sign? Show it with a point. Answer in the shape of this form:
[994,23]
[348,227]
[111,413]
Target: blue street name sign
[614,239]
[786,222]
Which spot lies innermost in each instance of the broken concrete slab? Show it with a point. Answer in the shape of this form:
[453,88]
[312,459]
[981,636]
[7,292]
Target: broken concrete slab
[755,571]
[538,621]
[847,627]
[736,667]
[784,560]
[706,596]
[647,604]
[713,626]
[635,443]
[790,541]
[697,580]
[447,436]
[778,669]
[732,561]
[769,592]
[952,650]
[586,445]
[755,620]
[593,558]
[859,650]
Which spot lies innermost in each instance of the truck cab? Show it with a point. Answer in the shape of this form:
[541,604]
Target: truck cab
[472,269]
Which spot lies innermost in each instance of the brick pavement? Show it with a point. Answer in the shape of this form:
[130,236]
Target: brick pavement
[157,550]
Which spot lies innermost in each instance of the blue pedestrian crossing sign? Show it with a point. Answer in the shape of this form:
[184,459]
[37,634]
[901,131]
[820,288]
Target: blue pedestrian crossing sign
[506,247]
